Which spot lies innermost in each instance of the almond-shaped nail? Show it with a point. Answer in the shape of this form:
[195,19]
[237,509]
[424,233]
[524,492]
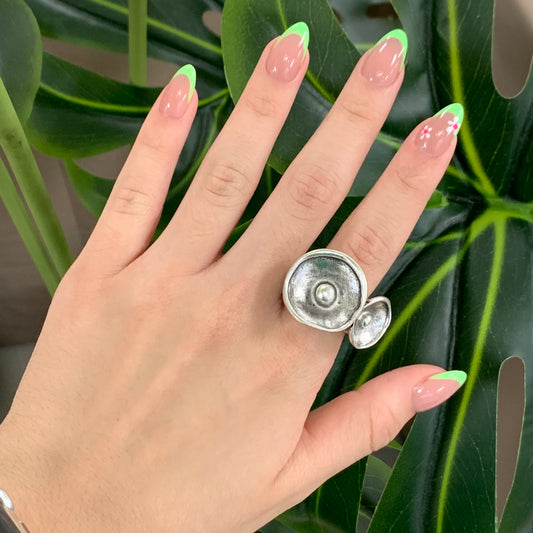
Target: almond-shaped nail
[177,94]
[435,135]
[437,389]
[383,64]
[288,53]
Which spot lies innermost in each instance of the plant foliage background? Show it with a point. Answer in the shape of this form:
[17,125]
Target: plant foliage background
[462,288]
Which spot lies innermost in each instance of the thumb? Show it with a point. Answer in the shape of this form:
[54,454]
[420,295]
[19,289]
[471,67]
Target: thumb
[359,422]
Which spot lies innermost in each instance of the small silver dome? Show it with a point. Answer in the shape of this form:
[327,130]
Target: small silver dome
[372,323]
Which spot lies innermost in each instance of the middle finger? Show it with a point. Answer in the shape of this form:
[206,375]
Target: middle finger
[320,176]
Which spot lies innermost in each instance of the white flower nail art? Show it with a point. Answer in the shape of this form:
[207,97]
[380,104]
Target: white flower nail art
[426,132]
[453,125]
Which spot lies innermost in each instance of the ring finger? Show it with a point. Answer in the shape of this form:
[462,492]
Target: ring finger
[376,231]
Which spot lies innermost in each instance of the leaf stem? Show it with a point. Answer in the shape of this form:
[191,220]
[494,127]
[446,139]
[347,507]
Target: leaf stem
[168,28]
[18,152]
[27,230]
[137,24]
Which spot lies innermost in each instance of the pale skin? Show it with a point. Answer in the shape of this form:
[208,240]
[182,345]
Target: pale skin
[170,390]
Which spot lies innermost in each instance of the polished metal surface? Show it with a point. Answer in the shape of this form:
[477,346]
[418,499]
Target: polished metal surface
[325,289]
[372,323]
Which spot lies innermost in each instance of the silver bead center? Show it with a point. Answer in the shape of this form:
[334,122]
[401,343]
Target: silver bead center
[325,294]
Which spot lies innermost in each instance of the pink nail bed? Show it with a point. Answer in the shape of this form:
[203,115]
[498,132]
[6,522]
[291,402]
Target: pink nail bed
[435,135]
[175,97]
[436,389]
[288,53]
[383,64]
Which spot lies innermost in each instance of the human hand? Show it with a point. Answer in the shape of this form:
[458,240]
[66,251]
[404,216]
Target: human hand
[169,390]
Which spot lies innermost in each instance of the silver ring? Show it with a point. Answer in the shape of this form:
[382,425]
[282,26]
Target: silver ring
[327,290]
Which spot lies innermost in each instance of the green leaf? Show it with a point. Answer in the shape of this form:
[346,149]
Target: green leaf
[376,478]
[437,200]
[176,32]
[27,231]
[247,26]
[78,113]
[94,190]
[495,128]
[333,508]
[461,288]
[395,445]
[275,527]
[20,67]
[20,54]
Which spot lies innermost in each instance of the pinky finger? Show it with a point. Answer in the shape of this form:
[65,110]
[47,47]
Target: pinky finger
[134,207]
[359,422]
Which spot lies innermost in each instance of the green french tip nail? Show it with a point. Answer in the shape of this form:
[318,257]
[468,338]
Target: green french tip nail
[301,29]
[457,110]
[402,37]
[190,72]
[457,375]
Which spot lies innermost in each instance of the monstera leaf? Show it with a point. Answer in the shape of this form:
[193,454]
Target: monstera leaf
[176,32]
[78,113]
[462,288]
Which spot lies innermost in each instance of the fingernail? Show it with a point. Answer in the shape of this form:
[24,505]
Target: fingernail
[288,53]
[178,93]
[437,389]
[384,63]
[436,134]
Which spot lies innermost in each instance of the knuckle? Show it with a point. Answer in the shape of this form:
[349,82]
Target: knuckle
[261,105]
[382,425]
[226,184]
[152,143]
[132,201]
[359,112]
[411,180]
[147,299]
[369,246]
[312,189]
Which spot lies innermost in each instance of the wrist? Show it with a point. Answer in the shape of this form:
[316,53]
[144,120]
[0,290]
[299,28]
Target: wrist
[9,523]
[22,489]
[50,493]
[28,479]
